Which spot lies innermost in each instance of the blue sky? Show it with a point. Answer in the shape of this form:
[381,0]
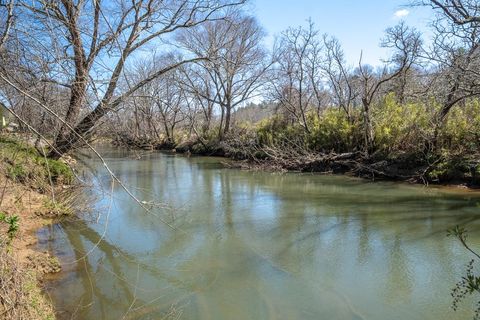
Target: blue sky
[359,25]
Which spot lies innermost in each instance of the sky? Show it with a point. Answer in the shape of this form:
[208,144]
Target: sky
[359,25]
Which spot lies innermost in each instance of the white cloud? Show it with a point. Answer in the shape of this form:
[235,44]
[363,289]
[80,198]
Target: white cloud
[401,13]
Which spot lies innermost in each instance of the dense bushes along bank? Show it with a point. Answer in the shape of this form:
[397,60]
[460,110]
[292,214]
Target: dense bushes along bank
[408,143]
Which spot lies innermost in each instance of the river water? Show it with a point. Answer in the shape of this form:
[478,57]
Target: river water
[257,245]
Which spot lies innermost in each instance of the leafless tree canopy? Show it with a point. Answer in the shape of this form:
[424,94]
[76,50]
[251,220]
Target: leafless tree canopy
[175,70]
[465,12]
[84,46]
[236,68]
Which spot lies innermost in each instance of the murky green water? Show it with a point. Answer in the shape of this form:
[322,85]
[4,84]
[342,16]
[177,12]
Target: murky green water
[251,245]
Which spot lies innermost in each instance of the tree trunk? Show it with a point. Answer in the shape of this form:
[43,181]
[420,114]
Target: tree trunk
[79,85]
[368,133]
[66,143]
[220,131]
[227,120]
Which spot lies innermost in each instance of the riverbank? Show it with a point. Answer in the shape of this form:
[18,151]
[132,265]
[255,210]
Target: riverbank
[34,193]
[400,167]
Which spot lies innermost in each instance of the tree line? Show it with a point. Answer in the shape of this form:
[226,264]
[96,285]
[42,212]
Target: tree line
[180,74]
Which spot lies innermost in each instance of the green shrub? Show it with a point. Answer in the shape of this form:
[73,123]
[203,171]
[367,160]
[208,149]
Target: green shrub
[271,131]
[332,131]
[400,127]
[462,127]
[13,224]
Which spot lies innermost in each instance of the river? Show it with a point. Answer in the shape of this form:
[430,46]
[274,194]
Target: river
[258,245]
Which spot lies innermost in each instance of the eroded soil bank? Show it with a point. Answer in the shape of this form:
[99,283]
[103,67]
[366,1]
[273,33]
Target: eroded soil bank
[33,193]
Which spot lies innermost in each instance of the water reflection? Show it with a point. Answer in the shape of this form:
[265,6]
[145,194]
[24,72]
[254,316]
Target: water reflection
[253,245]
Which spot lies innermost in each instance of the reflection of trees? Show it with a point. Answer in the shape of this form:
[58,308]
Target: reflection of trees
[227,204]
[364,247]
[86,300]
[398,284]
[310,218]
[109,256]
[121,263]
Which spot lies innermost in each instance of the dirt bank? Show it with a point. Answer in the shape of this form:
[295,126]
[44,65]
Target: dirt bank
[31,190]
[22,266]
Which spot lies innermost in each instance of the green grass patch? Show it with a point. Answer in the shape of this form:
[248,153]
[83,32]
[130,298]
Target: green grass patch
[13,224]
[24,164]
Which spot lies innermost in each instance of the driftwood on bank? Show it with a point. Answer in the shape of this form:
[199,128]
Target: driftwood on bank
[354,163]
[292,156]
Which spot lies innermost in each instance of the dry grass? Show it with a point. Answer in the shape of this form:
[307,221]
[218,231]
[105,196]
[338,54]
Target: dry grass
[20,296]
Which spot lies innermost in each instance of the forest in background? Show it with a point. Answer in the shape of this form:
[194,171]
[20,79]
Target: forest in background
[196,76]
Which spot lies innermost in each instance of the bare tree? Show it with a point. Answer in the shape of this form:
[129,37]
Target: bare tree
[200,88]
[170,99]
[90,43]
[460,12]
[339,76]
[152,114]
[138,112]
[297,85]
[455,53]
[406,45]
[6,21]
[237,63]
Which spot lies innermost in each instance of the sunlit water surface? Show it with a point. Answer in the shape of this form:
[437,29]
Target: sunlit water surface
[257,245]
